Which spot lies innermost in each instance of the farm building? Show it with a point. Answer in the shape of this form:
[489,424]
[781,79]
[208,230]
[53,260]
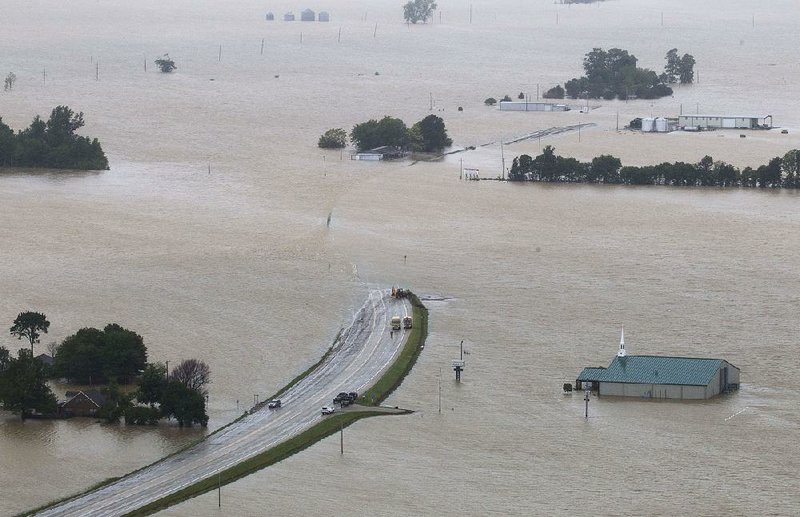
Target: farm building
[723,121]
[308,16]
[270,17]
[385,152]
[288,17]
[531,106]
[323,16]
[657,377]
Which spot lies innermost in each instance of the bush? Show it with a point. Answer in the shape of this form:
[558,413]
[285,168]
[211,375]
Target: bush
[521,96]
[491,101]
[142,415]
[556,92]
[506,99]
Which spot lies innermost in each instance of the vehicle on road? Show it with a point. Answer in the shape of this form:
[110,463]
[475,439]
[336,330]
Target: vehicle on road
[407,322]
[328,410]
[395,322]
[274,404]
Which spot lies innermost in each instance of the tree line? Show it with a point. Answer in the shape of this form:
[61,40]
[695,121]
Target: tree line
[427,135]
[52,144]
[614,74]
[111,357]
[779,172]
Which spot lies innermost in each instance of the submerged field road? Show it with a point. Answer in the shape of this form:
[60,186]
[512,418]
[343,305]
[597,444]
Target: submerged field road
[362,353]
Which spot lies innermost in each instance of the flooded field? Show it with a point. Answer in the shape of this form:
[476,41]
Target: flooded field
[238,267]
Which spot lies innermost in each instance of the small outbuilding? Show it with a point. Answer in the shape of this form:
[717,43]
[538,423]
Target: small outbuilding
[323,16]
[659,377]
[270,17]
[308,16]
[288,17]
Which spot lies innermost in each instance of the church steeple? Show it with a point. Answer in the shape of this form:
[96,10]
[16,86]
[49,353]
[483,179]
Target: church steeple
[622,352]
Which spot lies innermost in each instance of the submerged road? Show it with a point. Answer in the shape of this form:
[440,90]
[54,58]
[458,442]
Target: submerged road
[364,350]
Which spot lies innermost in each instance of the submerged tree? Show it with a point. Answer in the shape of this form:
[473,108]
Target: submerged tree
[333,139]
[165,64]
[23,385]
[430,134]
[419,10]
[8,84]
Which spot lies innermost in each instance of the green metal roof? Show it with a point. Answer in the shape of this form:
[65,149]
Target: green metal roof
[651,369]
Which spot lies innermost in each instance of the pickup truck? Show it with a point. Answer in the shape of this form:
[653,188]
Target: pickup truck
[407,322]
[274,404]
[395,322]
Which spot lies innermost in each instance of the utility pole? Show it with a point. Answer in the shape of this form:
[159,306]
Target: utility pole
[587,390]
[262,46]
[461,171]
[431,97]
[97,71]
[440,390]
[339,40]
[341,437]
[219,490]
[503,160]
[375,32]
[167,369]
[220,54]
[617,120]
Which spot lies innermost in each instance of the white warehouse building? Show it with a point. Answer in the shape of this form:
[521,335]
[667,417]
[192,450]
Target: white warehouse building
[531,106]
[723,121]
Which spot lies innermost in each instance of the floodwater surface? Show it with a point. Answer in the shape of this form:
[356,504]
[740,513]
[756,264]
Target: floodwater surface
[209,237]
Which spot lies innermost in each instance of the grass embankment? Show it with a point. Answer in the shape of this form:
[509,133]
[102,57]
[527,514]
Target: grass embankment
[388,382]
[395,374]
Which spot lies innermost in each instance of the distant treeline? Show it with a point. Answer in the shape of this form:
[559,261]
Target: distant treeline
[548,167]
[52,144]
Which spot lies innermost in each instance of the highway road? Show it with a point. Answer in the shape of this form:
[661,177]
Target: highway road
[365,349]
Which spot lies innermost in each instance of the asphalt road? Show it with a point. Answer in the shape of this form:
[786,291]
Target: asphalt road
[364,350]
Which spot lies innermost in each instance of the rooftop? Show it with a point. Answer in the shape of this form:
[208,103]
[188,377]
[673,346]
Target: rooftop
[651,369]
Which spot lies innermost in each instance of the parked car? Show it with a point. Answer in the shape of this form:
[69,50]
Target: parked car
[340,397]
[328,410]
[274,404]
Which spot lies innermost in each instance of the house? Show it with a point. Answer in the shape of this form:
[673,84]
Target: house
[723,121]
[323,16]
[82,403]
[386,152]
[288,17]
[660,377]
[270,17]
[308,16]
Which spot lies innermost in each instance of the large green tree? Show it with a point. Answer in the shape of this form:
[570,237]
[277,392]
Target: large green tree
[373,133]
[184,404]
[152,383]
[431,134]
[23,385]
[95,356]
[30,325]
[790,167]
[418,10]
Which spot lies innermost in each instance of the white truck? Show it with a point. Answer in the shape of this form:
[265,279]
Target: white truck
[395,322]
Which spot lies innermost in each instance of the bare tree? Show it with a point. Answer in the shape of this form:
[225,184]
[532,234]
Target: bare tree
[52,348]
[193,374]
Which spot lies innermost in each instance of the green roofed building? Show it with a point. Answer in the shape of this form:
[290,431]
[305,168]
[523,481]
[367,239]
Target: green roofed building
[649,376]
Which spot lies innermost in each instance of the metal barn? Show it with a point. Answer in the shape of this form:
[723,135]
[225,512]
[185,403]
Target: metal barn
[308,16]
[657,377]
[323,16]
[722,121]
[531,106]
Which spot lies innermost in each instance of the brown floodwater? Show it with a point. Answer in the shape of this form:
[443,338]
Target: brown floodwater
[238,267]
